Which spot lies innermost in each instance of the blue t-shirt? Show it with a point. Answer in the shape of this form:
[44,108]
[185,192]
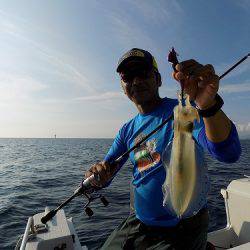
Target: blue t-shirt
[148,171]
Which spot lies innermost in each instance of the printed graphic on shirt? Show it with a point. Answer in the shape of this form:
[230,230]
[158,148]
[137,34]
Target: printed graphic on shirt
[145,155]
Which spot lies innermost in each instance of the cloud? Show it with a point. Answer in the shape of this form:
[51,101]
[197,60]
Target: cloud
[158,11]
[244,4]
[235,88]
[127,28]
[107,96]
[128,33]
[243,127]
[170,92]
[18,87]
[55,61]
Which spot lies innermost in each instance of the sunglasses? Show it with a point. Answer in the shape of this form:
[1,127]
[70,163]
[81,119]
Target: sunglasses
[140,72]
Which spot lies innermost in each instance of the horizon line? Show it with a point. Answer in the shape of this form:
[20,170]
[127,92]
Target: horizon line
[56,138]
[241,136]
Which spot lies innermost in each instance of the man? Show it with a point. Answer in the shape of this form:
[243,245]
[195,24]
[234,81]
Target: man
[151,227]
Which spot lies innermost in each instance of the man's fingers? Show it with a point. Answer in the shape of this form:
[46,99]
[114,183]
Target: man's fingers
[193,68]
[185,64]
[199,72]
[212,80]
[88,174]
[191,89]
[106,166]
[174,75]
[178,76]
[103,169]
[111,169]
[195,72]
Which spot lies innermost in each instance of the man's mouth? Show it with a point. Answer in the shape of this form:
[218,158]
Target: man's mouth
[139,90]
[138,93]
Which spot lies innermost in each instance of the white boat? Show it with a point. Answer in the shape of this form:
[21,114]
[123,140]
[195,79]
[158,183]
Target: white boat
[59,233]
[236,234]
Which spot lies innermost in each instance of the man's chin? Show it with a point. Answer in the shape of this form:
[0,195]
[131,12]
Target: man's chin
[140,100]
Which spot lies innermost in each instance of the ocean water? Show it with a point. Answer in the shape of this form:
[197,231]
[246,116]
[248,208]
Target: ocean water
[35,173]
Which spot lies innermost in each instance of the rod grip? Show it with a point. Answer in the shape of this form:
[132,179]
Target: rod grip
[48,216]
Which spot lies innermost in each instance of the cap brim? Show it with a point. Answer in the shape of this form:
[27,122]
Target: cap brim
[132,60]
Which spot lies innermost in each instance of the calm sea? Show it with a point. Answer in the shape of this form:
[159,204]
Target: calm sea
[35,173]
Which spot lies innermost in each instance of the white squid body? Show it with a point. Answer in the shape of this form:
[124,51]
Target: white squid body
[180,183]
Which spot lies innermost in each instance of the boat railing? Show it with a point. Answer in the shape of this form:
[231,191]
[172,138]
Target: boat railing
[29,228]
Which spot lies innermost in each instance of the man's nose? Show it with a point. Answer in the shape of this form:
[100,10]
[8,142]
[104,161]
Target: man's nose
[137,81]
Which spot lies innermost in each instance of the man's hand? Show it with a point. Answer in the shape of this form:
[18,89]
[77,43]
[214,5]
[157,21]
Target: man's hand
[104,170]
[200,82]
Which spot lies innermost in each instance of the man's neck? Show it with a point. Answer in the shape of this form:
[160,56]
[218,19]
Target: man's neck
[147,107]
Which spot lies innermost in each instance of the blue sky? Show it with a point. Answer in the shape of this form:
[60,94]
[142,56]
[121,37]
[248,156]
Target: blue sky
[58,59]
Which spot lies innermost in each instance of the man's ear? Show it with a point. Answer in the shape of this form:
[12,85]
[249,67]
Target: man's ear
[123,87]
[158,78]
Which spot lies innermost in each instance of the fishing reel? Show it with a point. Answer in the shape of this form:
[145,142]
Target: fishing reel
[91,193]
[91,198]
[85,189]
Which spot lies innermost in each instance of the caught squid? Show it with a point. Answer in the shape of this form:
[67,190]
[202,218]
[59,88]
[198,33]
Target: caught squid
[179,159]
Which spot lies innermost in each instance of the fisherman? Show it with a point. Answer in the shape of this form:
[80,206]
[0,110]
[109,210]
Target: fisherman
[151,226]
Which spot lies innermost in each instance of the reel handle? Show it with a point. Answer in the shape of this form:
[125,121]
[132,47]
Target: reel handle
[104,201]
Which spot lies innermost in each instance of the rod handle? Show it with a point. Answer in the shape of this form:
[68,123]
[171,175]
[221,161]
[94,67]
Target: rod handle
[48,216]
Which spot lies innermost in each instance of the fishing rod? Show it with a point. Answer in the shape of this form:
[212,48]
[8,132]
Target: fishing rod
[235,65]
[87,189]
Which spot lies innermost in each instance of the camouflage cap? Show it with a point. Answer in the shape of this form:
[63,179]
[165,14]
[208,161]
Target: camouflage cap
[138,55]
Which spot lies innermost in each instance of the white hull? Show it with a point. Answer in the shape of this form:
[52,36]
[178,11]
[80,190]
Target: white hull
[59,233]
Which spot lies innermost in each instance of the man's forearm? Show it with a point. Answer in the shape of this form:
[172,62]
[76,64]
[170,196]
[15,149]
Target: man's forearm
[217,127]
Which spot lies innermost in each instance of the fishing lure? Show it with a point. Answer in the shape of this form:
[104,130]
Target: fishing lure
[172,58]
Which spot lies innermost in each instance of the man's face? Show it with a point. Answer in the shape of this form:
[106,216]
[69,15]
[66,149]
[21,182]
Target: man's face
[139,83]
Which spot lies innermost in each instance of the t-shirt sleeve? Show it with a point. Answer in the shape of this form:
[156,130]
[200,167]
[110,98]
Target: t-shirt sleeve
[198,126]
[117,149]
[227,151]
